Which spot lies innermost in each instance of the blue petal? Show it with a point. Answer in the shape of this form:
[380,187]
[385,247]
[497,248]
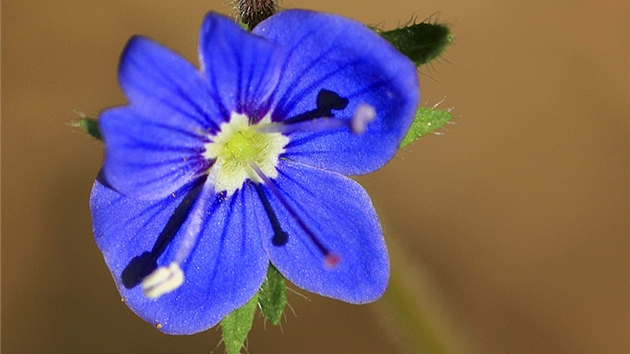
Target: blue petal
[224,271]
[154,146]
[340,214]
[323,52]
[242,69]
[155,78]
[149,159]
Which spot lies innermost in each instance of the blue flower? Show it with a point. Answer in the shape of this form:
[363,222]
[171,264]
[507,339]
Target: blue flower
[210,174]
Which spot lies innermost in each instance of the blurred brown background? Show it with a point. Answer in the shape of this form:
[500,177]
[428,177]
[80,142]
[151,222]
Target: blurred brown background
[515,219]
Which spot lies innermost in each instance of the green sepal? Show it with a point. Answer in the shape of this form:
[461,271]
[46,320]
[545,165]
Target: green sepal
[243,25]
[421,42]
[237,324]
[272,296]
[426,121]
[89,125]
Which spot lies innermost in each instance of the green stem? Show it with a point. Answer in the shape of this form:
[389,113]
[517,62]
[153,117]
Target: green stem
[415,314]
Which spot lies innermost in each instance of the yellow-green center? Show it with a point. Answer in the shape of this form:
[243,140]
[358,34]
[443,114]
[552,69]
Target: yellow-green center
[237,146]
[244,146]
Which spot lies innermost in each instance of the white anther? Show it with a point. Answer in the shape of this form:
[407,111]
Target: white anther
[162,281]
[362,116]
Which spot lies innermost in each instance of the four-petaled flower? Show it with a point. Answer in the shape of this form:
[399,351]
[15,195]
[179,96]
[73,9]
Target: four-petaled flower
[210,174]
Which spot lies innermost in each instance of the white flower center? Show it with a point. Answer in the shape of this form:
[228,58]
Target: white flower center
[237,146]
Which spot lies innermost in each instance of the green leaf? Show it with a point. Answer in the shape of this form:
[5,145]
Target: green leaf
[421,42]
[90,126]
[236,326]
[426,121]
[272,296]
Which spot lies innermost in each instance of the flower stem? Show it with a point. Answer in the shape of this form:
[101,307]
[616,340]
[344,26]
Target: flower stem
[414,310]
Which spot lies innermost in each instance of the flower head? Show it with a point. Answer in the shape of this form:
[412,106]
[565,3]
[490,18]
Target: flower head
[212,173]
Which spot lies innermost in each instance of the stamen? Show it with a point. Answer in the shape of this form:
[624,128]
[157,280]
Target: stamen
[192,228]
[330,259]
[314,125]
[163,280]
[363,115]
[280,237]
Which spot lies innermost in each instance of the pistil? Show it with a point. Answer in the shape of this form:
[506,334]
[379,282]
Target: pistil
[239,143]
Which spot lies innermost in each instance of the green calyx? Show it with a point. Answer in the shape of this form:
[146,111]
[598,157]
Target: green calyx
[237,325]
[88,125]
[420,42]
[271,299]
[426,121]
